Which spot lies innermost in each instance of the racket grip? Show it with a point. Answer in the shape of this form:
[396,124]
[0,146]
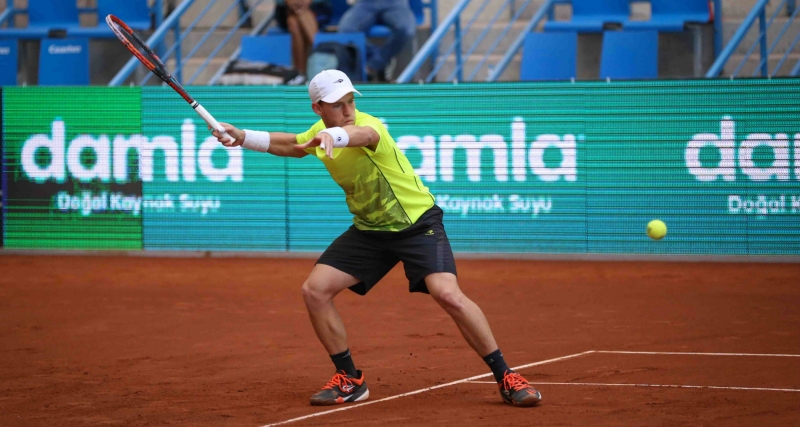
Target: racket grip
[211,121]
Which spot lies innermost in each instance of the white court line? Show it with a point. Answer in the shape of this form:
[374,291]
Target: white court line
[657,385]
[696,354]
[465,380]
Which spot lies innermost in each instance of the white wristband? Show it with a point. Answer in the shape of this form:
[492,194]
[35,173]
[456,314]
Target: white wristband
[339,135]
[256,140]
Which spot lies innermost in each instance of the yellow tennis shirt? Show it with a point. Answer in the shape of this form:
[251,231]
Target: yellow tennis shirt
[381,188]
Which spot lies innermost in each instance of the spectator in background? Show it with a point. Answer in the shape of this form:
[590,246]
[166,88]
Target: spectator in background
[395,14]
[302,19]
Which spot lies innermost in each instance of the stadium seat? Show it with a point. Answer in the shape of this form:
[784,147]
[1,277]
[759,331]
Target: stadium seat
[135,13]
[549,56]
[64,62]
[673,15]
[8,57]
[591,16]
[44,18]
[274,49]
[629,55]
[358,39]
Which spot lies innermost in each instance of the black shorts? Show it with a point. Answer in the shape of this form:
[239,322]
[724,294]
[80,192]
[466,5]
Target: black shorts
[369,255]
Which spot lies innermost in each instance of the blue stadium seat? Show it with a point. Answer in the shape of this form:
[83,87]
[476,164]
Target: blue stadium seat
[590,16]
[274,49]
[8,57]
[673,15]
[549,56]
[629,55]
[64,62]
[358,39]
[45,16]
[135,13]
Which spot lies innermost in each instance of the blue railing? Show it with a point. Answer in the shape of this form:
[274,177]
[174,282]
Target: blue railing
[759,12]
[453,23]
[8,14]
[172,23]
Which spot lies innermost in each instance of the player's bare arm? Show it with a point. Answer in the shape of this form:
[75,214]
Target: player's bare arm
[356,136]
[275,143]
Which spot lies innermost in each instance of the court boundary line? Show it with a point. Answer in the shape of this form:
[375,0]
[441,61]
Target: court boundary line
[713,387]
[688,353]
[397,396]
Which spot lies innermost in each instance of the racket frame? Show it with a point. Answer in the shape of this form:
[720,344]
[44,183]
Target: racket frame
[154,64]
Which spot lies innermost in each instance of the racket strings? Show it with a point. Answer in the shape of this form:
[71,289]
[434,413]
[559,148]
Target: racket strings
[139,48]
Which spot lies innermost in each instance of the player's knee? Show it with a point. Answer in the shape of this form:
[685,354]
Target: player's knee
[449,299]
[313,294]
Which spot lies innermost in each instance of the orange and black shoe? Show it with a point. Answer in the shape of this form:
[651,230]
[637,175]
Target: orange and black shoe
[516,390]
[342,389]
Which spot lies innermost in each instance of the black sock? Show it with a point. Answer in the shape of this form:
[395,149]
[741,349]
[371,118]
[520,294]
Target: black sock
[344,362]
[497,364]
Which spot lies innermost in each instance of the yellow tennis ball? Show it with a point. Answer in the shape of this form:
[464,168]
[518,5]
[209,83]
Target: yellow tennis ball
[656,229]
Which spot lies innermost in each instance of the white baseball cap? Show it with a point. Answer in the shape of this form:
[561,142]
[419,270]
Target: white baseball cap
[330,86]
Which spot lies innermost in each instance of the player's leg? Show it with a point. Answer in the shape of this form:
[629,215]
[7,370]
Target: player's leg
[473,325]
[469,318]
[347,384]
[322,285]
[352,261]
[430,267]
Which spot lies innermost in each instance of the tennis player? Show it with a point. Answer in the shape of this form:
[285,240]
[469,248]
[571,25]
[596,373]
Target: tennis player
[394,219]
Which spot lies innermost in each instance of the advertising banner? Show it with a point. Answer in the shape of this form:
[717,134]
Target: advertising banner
[70,168]
[199,195]
[2,174]
[517,167]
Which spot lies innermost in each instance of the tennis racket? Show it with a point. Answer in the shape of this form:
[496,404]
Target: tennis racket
[143,53]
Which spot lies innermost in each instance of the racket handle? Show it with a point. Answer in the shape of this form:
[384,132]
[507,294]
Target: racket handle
[211,121]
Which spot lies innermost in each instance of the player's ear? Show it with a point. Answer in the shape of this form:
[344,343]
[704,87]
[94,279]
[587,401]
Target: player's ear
[317,108]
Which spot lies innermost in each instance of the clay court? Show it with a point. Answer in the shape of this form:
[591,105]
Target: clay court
[144,341]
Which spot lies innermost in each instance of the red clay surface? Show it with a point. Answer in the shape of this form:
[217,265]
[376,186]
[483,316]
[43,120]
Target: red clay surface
[129,341]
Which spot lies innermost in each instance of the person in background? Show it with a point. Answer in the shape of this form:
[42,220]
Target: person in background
[302,19]
[395,14]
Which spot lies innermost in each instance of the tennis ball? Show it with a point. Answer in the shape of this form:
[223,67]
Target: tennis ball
[656,229]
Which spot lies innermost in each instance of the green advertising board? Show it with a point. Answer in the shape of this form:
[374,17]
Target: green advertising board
[204,196]
[70,175]
[517,167]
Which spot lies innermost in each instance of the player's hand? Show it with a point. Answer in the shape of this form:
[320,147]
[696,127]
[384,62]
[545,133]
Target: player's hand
[235,133]
[322,140]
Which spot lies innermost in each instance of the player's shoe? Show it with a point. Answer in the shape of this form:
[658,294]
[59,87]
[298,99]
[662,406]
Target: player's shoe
[342,388]
[516,390]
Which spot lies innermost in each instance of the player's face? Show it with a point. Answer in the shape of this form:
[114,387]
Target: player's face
[339,113]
